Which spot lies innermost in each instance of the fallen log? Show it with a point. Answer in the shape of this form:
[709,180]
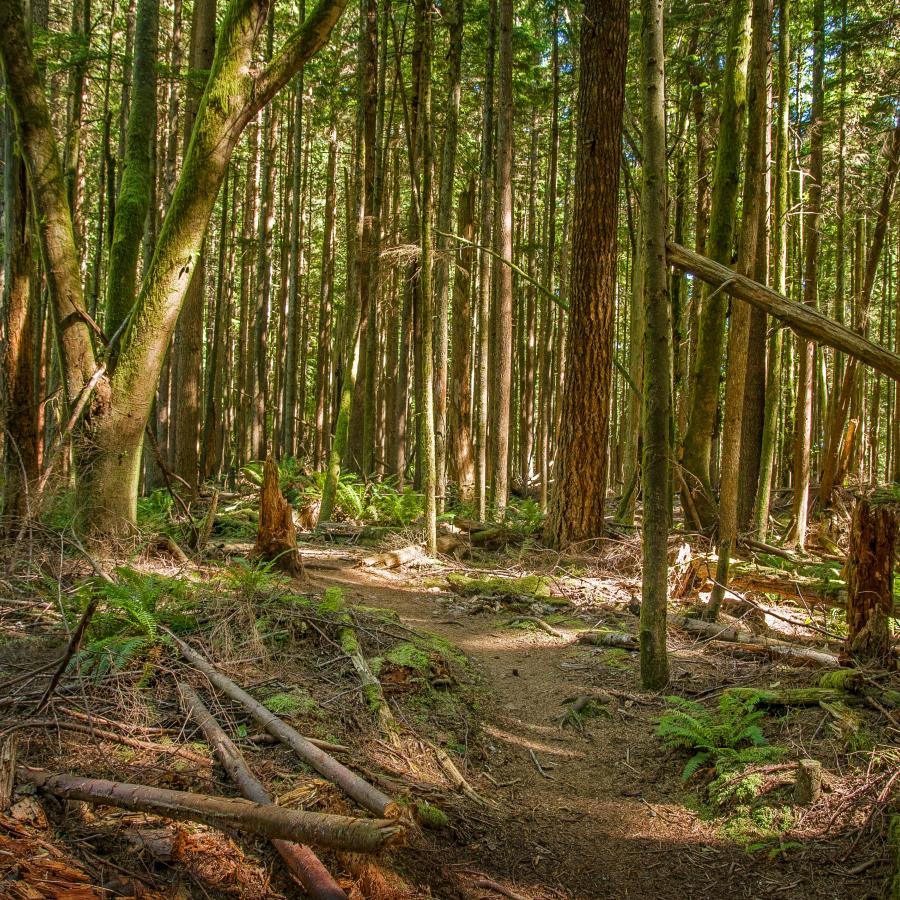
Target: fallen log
[804,320]
[414,553]
[620,639]
[731,634]
[362,792]
[266,820]
[301,862]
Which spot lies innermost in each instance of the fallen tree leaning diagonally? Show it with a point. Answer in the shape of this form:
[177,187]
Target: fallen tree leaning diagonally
[267,820]
[300,860]
[356,788]
[804,320]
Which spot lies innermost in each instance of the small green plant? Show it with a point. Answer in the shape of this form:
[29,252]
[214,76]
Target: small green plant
[726,739]
[155,511]
[251,578]
[127,622]
[297,701]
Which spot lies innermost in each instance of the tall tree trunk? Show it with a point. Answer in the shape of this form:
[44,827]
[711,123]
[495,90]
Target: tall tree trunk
[426,286]
[780,253]
[576,512]
[461,460]
[453,14]
[189,331]
[503,312]
[20,441]
[484,277]
[698,446]
[656,471]
[812,225]
[326,289]
[754,208]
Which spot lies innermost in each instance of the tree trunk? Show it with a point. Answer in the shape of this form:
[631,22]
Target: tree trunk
[779,251]
[461,460]
[698,444]
[656,471]
[503,310]
[803,423]
[870,582]
[484,278]
[19,397]
[276,538]
[108,466]
[576,512]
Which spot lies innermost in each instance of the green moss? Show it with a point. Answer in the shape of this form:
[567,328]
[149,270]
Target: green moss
[616,658]
[430,816]
[536,586]
[842,680]
[297,702]
[332,601]
[409,656]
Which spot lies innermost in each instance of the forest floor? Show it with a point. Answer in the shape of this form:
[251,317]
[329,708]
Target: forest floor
[591,805]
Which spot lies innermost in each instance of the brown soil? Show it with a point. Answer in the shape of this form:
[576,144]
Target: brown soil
[606,818]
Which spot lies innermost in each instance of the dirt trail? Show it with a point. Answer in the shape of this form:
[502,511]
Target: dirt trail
[604,819]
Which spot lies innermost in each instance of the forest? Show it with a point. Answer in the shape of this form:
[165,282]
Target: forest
[449,448]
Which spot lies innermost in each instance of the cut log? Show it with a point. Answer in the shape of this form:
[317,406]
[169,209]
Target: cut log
[804,320]
[276,537]
[808,783]
[414,553]
[870,582]
[356,788]
[266,820]
[620,639]
[734,635]
[302,863]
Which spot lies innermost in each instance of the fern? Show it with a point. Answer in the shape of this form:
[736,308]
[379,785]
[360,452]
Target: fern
[727,739]
[128,620]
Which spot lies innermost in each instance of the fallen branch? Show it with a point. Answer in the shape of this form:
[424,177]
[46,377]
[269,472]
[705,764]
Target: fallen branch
[327,766]
[544,626]
[266,820]
[302,863]
[746,639]
[71,650]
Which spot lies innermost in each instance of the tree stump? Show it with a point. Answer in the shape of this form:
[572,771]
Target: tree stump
[870,582]
[808,783]
[276,538]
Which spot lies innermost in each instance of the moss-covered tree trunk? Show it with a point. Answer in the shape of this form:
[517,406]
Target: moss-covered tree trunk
[870,582]
[109,458]
[707,363]
[576,510]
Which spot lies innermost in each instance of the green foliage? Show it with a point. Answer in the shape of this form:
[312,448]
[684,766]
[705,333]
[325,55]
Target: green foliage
[253,578]
[727,739]
[524,515]
[155,511]
[332,600]
[127,622]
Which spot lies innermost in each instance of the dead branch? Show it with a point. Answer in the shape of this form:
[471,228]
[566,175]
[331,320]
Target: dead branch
[327,766]
[267,820]
[302,863]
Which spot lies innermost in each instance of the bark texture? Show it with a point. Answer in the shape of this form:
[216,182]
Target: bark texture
[576,511]
[870,582]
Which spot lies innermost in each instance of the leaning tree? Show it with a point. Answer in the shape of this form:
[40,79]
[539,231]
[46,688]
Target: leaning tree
[109,389]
